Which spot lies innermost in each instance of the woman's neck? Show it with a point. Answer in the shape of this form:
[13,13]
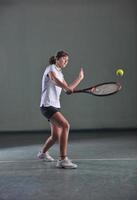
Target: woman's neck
[58,67]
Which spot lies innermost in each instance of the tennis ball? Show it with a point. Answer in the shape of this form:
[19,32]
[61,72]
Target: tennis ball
[119,72]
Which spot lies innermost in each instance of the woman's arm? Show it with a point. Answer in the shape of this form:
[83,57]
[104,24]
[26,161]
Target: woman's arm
[63,84]
[79,78]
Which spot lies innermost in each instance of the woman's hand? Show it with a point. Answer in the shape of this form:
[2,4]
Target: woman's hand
[69,91]
[81,74]
[75,83]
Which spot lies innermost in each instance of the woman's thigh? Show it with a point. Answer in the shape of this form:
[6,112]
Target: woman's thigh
[59,120]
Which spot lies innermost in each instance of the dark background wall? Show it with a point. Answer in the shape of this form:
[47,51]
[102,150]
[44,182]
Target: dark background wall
[99,35]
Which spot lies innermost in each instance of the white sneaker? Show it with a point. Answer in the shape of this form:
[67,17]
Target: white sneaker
[45,156]
[66,163]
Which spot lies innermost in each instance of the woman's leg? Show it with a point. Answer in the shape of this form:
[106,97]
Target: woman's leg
[55,135]
[60,130]
[59,121]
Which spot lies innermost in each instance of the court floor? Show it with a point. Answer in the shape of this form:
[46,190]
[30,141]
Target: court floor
[107,167]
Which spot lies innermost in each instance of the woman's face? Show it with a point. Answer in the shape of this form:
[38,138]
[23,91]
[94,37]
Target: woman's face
[63,61]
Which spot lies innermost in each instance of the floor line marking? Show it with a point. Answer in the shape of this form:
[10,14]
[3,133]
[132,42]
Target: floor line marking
[78,159]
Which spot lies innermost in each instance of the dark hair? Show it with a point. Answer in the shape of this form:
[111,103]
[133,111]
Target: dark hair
[52,60]
[59,54]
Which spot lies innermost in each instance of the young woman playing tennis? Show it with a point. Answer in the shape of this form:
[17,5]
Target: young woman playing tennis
[52,84]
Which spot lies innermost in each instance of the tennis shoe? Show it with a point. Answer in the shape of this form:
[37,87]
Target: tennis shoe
[45,156]
[66,164]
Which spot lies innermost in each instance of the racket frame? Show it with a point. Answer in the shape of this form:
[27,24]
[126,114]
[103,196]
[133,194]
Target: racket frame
[86,90]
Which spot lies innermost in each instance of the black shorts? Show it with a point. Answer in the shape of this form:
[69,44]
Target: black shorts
[49,111]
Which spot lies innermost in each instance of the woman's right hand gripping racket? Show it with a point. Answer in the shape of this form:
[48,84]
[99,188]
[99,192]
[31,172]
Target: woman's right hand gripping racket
[103,89]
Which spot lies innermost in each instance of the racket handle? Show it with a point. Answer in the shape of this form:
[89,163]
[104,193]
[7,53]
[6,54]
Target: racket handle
[77,91]
[68,92]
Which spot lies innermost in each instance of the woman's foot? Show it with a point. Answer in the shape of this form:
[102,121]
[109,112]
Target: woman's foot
[66,163]
[45,156]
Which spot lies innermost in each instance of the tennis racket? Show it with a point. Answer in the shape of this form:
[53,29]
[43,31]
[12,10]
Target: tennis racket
[103,89]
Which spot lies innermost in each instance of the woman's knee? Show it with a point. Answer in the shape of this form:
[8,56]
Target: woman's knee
[55,132]
[55,135]
[59,120]
[66,125]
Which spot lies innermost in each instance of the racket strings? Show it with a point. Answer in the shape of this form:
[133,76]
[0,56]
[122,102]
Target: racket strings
[105,89]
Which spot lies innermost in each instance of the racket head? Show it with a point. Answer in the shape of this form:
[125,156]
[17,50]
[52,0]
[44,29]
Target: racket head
[104,89]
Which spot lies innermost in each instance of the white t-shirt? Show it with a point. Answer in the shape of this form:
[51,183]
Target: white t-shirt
[50,95]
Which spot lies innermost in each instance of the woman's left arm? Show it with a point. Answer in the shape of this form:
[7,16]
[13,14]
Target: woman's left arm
[76,82]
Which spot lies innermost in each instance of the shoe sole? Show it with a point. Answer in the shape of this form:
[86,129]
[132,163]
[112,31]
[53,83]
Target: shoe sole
[66,167]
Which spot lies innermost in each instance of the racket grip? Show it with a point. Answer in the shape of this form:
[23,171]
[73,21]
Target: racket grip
[69,92]
[77,91]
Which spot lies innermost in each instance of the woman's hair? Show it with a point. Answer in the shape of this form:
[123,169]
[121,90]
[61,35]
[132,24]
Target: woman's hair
[52,60]
[59,54]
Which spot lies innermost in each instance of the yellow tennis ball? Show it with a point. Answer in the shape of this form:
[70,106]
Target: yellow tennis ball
[119,72]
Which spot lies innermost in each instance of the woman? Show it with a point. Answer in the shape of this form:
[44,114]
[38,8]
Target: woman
[52,84]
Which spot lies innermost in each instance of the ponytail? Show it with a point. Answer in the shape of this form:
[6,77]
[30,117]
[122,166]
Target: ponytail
[52,60]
